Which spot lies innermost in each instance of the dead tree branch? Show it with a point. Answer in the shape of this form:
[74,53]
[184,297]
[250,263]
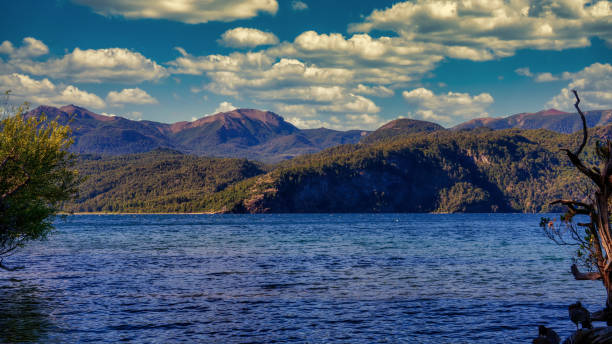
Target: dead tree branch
[590,276]
[584,125]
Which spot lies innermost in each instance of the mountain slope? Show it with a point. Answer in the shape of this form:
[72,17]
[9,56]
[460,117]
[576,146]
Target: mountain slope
[158,181]
[241,133]
[100,134]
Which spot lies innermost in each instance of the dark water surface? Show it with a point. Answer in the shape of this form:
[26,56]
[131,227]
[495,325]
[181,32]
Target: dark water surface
[375,278]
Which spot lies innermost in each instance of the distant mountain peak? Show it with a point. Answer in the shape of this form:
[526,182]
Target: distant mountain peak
[551,112]
[401,126]
[266,117]
[81,111]
[230,118]
[403,123]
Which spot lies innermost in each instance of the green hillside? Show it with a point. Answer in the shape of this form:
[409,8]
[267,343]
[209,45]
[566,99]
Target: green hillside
[158,181]
[477,170]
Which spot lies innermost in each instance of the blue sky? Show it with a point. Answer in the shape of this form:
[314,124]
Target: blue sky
[337,64]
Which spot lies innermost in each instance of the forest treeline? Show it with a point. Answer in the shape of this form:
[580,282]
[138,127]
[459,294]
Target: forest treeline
[478,170]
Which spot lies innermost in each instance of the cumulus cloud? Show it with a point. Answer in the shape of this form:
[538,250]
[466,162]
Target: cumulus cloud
[447,109]
[297,5]
[382,60]
[546,77]
[306,123]
[290,86]
[90,65]
[43,91]
[594,85]
[483,30]
[130,96]
[378,91]
[186,11]
[542,77]
[339,122]
[31,48]
[246,37]
[101,65]
[224,107]
[364,121]
[235,62]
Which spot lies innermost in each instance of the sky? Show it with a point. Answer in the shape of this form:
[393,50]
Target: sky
[337,64]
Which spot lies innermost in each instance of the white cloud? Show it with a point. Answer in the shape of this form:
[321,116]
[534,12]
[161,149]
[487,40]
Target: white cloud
[31,48]
[130,96]
[302,109]
[364,121]
[297,5]
[290,86]
[45,92]
[352,103]
[224,107]
[346,122]
[545,77]
[541,77]
[309,123]
[187,11]
[483,30]
[447,109]
[382,60]
[90,65]
[133,115]
[378,91]
[594,86]
[247,37]
[235,62]
[524,71]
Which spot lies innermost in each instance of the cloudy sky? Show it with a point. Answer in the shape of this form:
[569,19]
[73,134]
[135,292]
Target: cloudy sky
[338,64]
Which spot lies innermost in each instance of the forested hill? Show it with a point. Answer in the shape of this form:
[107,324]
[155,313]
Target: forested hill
[442,171]
[162,180]
[468,171]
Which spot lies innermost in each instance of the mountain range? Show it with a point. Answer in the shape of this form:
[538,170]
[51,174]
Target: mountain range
[551,119]
[405,166]
[244,133]
[265,136]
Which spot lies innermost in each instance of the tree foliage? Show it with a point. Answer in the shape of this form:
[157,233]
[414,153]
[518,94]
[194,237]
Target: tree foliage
[36,176]
[444,171]
[159,181]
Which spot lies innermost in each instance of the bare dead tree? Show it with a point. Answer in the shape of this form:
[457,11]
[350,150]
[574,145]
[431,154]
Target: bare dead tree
[593,236]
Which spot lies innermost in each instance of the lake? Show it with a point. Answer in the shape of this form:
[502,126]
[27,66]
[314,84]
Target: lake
[308,278]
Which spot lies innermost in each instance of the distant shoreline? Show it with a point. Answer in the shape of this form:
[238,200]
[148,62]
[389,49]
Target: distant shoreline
[111,213]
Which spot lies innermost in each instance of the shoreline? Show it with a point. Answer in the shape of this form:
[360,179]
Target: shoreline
[108,213]
[221,213]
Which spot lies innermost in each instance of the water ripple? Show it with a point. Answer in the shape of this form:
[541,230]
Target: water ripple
[319,278]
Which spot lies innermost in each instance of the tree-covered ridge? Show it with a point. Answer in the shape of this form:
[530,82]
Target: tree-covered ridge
[465,171]
[158,181]
[478,170]
[400,127]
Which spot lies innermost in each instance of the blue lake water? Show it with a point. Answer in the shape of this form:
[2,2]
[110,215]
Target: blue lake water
[312,278]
